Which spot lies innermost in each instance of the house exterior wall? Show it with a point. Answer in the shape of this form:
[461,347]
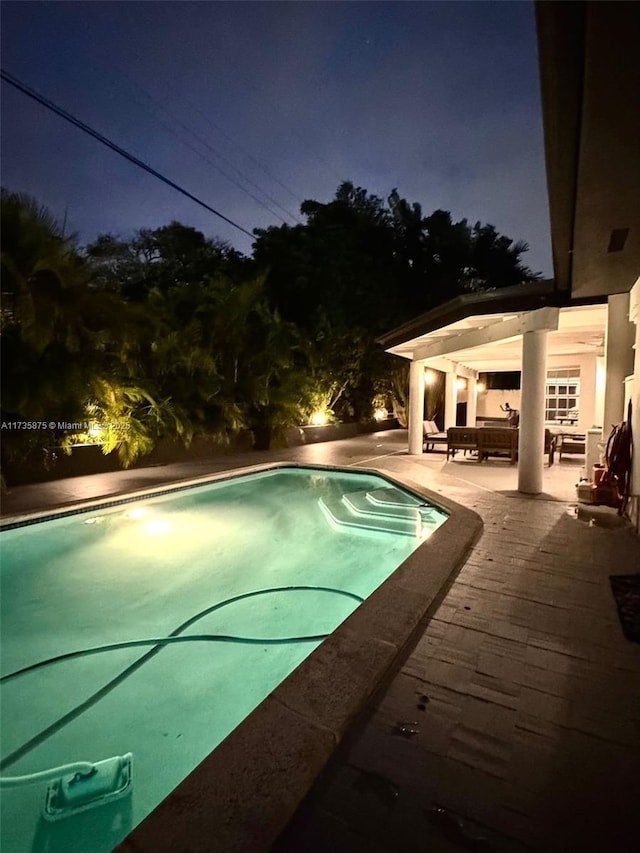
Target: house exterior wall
[489,402]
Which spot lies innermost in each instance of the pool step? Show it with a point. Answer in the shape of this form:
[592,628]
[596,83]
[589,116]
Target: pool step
[355,511]
[339,514]
[394,498]
[391,497]
[391,502]
[359,504]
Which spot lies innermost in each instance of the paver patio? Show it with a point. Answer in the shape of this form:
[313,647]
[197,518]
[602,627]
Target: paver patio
[522,693]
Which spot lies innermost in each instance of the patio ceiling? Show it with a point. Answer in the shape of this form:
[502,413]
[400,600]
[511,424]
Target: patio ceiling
[580,330]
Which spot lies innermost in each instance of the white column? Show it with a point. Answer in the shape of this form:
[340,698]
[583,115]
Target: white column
[601,385]
[634,316]
[416,407]
[450,396]
[619,359]
[472,400]
[531,438]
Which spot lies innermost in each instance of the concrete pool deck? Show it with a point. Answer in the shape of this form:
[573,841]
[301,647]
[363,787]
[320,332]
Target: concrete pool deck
[522,692]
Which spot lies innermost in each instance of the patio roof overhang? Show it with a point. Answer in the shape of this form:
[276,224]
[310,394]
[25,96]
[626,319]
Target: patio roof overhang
[487,343]
[483,332]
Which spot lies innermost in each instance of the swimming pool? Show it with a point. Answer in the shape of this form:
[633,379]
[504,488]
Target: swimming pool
[161,622]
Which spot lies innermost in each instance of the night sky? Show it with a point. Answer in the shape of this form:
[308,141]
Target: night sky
[440,100]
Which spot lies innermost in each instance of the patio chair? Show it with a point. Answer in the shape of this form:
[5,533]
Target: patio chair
[431,435]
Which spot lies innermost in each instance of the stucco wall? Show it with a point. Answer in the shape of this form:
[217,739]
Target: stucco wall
[489,402]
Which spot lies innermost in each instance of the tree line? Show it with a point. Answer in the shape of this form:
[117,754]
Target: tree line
[174,334]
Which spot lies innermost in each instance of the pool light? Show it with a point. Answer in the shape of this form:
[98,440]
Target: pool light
[156,526]
[137,512]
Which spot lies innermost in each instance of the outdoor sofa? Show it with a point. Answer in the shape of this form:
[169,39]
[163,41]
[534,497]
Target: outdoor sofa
[462,438]
[434,437]
[492,441]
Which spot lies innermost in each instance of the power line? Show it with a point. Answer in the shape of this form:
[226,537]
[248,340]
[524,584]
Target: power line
[204,142]
[104,63]
[234,141]
[208,160]
[22,87]
[252,85]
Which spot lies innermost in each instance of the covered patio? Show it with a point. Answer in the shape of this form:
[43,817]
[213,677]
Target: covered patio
[524,329]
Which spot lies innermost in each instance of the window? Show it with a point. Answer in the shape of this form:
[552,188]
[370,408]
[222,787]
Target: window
[562,395]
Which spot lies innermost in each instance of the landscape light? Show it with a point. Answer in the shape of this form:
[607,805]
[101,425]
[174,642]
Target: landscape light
[380,414]
[319,418]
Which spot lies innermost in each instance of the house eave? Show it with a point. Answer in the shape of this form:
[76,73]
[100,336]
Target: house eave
[524,297]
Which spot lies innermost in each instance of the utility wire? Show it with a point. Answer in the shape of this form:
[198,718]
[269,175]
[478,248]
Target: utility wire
[220,156]
[22,87]
[104,63]
[208,160]
[247,154]
[252,85]
[208,145]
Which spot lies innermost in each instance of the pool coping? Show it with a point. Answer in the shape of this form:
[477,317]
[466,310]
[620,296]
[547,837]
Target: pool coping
[243,794]
[75,507]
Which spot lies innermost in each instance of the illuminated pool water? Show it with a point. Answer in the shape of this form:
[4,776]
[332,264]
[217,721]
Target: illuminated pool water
[244,576]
